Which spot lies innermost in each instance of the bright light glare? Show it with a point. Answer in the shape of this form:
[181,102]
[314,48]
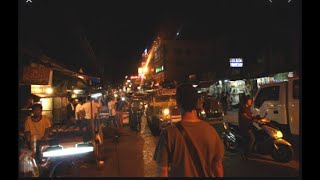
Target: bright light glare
[49,90]
[203,112]
[279,134]
[67,151]
[166,111]
[194,85]
[96,95]
[123,98]
[76,91]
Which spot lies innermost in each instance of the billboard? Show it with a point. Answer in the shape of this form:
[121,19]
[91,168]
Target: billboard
[236,62]
[36,75]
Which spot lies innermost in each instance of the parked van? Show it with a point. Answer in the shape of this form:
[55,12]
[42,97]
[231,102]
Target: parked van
[281,101]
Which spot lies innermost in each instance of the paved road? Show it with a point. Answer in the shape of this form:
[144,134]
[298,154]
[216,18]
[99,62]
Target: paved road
[132,157]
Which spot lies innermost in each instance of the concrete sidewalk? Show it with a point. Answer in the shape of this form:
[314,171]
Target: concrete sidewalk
[121,159]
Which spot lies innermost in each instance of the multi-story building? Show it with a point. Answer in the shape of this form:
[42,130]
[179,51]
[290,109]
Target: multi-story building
[174,60]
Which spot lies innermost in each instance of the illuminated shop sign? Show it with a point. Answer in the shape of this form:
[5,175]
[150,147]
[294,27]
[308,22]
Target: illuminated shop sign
[159,69]
[166,92]
[236,62]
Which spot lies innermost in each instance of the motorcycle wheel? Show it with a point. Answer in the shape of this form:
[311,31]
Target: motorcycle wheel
[230,146]
[65,168]
[283,154]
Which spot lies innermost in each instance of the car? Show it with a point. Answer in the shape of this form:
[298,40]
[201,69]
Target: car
[162,110]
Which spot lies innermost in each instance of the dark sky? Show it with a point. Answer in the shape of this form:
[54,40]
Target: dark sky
[113,34]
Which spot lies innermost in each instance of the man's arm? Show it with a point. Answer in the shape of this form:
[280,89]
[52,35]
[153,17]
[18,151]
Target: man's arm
[162,171]
[218,168]
[46,133]
[217,161]
[161,155]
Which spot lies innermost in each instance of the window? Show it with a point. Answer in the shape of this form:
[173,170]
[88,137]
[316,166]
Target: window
[267,94]
[295,89]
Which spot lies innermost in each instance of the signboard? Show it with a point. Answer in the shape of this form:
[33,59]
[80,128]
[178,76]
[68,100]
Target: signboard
[159,69]
[236,62]
[166,92]
[36,75]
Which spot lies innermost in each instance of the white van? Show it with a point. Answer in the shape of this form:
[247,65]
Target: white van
[281,101]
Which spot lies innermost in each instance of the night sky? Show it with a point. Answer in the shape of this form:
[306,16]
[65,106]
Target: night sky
[113,34]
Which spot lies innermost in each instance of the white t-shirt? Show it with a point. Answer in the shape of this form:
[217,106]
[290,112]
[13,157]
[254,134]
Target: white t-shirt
[86,107]
[78,107]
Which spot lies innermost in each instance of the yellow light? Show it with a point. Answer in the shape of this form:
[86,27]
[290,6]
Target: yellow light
[49,90]
[166,112]
[145,69]
[279,134]
[81,77]
[46,104]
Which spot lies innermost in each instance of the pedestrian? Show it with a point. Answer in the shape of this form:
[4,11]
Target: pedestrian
[90,109]
[79,115]
[245,124]
[190,147]
[36,128]
[71,111]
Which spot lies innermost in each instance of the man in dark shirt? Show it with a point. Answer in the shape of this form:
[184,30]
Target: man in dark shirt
[71,111]
[172,154]
[245,123]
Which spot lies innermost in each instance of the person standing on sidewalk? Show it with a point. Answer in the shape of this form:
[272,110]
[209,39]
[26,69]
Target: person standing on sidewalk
[90,109]
[190,148]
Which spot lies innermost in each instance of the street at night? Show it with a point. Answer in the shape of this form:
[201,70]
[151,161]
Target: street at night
[159,88]
[132,157]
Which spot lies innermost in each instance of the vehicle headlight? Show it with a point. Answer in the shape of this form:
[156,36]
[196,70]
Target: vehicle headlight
[166,112]
[279,134]
[203,112]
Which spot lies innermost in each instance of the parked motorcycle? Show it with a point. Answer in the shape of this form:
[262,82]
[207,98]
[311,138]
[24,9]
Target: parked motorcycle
[269,140]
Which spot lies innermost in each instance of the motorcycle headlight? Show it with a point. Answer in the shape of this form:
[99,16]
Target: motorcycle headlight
[279,134]
[166,112]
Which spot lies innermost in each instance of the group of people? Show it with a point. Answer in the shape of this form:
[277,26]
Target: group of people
[189,148]
[82,114]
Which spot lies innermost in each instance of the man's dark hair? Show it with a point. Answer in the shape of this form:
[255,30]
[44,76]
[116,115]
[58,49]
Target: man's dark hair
[34,106]
[81,100]
[187,97]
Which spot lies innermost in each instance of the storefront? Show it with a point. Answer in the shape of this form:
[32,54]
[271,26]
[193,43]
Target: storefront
[236,88]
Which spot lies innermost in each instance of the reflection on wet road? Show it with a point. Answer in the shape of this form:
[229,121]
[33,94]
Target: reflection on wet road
[149,145]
